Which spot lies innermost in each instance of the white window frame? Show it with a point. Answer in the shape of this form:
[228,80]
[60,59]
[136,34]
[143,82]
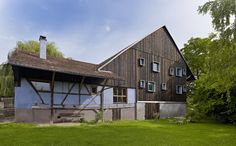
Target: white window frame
[142,83]
[171,71]
[158,69]
[184,72]
[154,86]
[179,89]
[163,86]
[141,62]
[184,89]
[177,73]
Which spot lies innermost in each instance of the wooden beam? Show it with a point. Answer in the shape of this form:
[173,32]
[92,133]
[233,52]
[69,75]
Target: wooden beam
[52,94]
[87,89]
[102,100]
[68,93]
[31,84]
[80,87]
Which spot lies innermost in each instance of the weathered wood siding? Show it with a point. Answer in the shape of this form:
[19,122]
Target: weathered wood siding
[158,47]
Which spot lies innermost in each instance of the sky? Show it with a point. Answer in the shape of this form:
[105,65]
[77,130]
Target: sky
[93,30]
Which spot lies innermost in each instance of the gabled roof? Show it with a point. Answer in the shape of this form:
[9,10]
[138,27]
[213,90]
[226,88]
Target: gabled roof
[31,60]
[107,61]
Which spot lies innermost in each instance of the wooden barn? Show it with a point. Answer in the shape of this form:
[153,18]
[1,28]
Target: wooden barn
[146,79]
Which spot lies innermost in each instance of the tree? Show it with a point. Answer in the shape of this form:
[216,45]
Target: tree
[33,46]
[213,60]
[6,74]
[195,52]
[223,13]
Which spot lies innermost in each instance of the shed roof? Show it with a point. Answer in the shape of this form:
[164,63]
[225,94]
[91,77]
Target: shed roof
[31,60]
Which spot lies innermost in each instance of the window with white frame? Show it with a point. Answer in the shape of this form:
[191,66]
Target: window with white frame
[142,83]
[179,72]
[163,86]
[119,95]
[184,72]
[179,89]
[151,86]
[141,61]
[184,89]
[156,66]
[171,71]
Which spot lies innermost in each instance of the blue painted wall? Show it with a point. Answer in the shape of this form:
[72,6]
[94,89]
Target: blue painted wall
[25,96]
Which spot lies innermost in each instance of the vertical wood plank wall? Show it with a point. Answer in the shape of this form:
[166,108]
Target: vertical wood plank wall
[159,47]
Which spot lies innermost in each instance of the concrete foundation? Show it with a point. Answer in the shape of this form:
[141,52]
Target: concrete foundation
[166,109]
[172,110]
[140,111]
[44,115]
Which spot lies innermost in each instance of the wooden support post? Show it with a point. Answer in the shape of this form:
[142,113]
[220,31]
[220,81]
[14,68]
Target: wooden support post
[102,100]
[80,88]
[52,94]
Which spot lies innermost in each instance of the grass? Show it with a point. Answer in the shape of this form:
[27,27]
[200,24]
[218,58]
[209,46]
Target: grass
[135,133]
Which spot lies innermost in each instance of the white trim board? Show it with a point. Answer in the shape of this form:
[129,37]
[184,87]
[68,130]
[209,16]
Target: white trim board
[164,102]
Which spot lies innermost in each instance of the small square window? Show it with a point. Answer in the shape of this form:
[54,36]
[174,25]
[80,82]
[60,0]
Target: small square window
[94,89]
[141,61]
[156,66]
[151,86]
[163,86]
[184,72]
[184,89]
[142,84]
[171,71]
[179,72]
[179,89]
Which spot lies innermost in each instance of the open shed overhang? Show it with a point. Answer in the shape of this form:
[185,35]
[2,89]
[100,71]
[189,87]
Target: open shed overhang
[29,65]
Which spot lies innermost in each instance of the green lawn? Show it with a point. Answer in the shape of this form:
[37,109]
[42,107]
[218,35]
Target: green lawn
[136,133]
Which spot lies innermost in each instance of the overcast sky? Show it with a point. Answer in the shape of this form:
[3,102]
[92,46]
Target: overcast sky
[93,30]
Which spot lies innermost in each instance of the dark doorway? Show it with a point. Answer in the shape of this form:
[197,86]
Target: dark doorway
[151,110]
[116,114]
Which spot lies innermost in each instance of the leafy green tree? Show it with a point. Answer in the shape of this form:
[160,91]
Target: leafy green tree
[33,46]
[195,52]
[213,60]
[223,13]
[6,74]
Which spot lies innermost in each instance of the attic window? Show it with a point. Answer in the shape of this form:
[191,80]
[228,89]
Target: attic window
[184,72]
[179,89]
[163,86]
[151,86]
[141,61]
[179,72]
[142,83]
[171,71]
[156,66]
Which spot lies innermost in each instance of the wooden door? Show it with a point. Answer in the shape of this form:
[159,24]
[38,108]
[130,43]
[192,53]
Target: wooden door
[116,114]
[151,109]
